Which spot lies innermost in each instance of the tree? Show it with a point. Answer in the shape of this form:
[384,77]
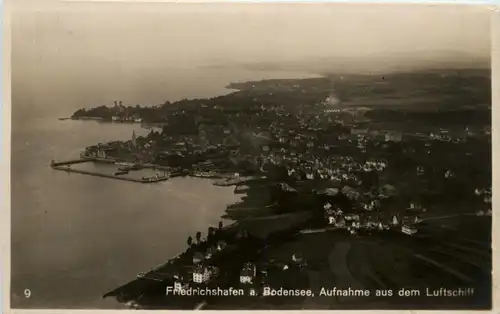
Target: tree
[198,236]
[190,241]
[220,225]
[211,231]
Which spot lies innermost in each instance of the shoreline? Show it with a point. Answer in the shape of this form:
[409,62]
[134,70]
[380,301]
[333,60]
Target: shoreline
[227,89]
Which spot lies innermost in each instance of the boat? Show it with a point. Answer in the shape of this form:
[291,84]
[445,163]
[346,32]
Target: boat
[130,168]
[119,173]
[206,174]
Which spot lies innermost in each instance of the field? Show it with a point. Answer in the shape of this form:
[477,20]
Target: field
[389,261]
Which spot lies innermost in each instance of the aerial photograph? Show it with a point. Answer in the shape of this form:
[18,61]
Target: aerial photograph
[250,156]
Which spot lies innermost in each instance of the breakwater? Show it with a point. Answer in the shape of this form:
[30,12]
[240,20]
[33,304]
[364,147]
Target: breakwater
[54,164]
[65,166]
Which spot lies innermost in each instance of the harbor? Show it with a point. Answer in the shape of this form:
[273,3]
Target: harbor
[121,173]
[127,171]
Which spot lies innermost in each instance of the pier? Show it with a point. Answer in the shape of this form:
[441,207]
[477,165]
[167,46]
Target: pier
[65,166]
[54,164]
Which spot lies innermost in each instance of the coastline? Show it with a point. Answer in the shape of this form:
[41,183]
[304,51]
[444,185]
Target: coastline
[234,86]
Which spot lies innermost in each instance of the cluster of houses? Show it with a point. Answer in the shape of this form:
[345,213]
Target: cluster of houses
[203,273]
[354,222]
[375,166]
[113,150]
[444,137]
[327,168]
[123,114]
[126,118]
[371,205]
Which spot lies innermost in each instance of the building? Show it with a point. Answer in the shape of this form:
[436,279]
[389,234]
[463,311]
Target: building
[248,273]
[103,152]
[134,139]
[202,274]
[180,284]
[395,221]
[409,230]
[297,257]
[331,220]
[246,276]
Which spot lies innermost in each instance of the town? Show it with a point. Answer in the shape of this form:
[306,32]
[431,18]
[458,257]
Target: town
[318,165]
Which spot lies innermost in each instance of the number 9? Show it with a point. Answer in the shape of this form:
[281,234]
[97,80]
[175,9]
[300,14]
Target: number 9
[27,293]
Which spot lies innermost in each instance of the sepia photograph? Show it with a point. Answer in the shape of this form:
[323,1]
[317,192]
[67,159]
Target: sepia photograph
[250,156]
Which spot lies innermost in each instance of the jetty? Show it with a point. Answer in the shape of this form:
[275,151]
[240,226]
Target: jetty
[65,166]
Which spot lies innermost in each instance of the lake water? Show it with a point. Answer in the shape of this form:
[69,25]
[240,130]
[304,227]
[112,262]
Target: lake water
[75,237]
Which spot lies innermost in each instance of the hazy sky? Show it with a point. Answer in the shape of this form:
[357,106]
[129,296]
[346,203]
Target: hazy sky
[200,32]
[78,47]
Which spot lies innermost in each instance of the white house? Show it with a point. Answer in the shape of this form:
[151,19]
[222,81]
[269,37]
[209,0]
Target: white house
[246,276]
[331,220]
[409,230]
[180,285]
[248,273]
[202,274]
[297,257]
[395,220]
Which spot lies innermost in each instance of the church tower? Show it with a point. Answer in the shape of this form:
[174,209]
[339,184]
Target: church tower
[134,138]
